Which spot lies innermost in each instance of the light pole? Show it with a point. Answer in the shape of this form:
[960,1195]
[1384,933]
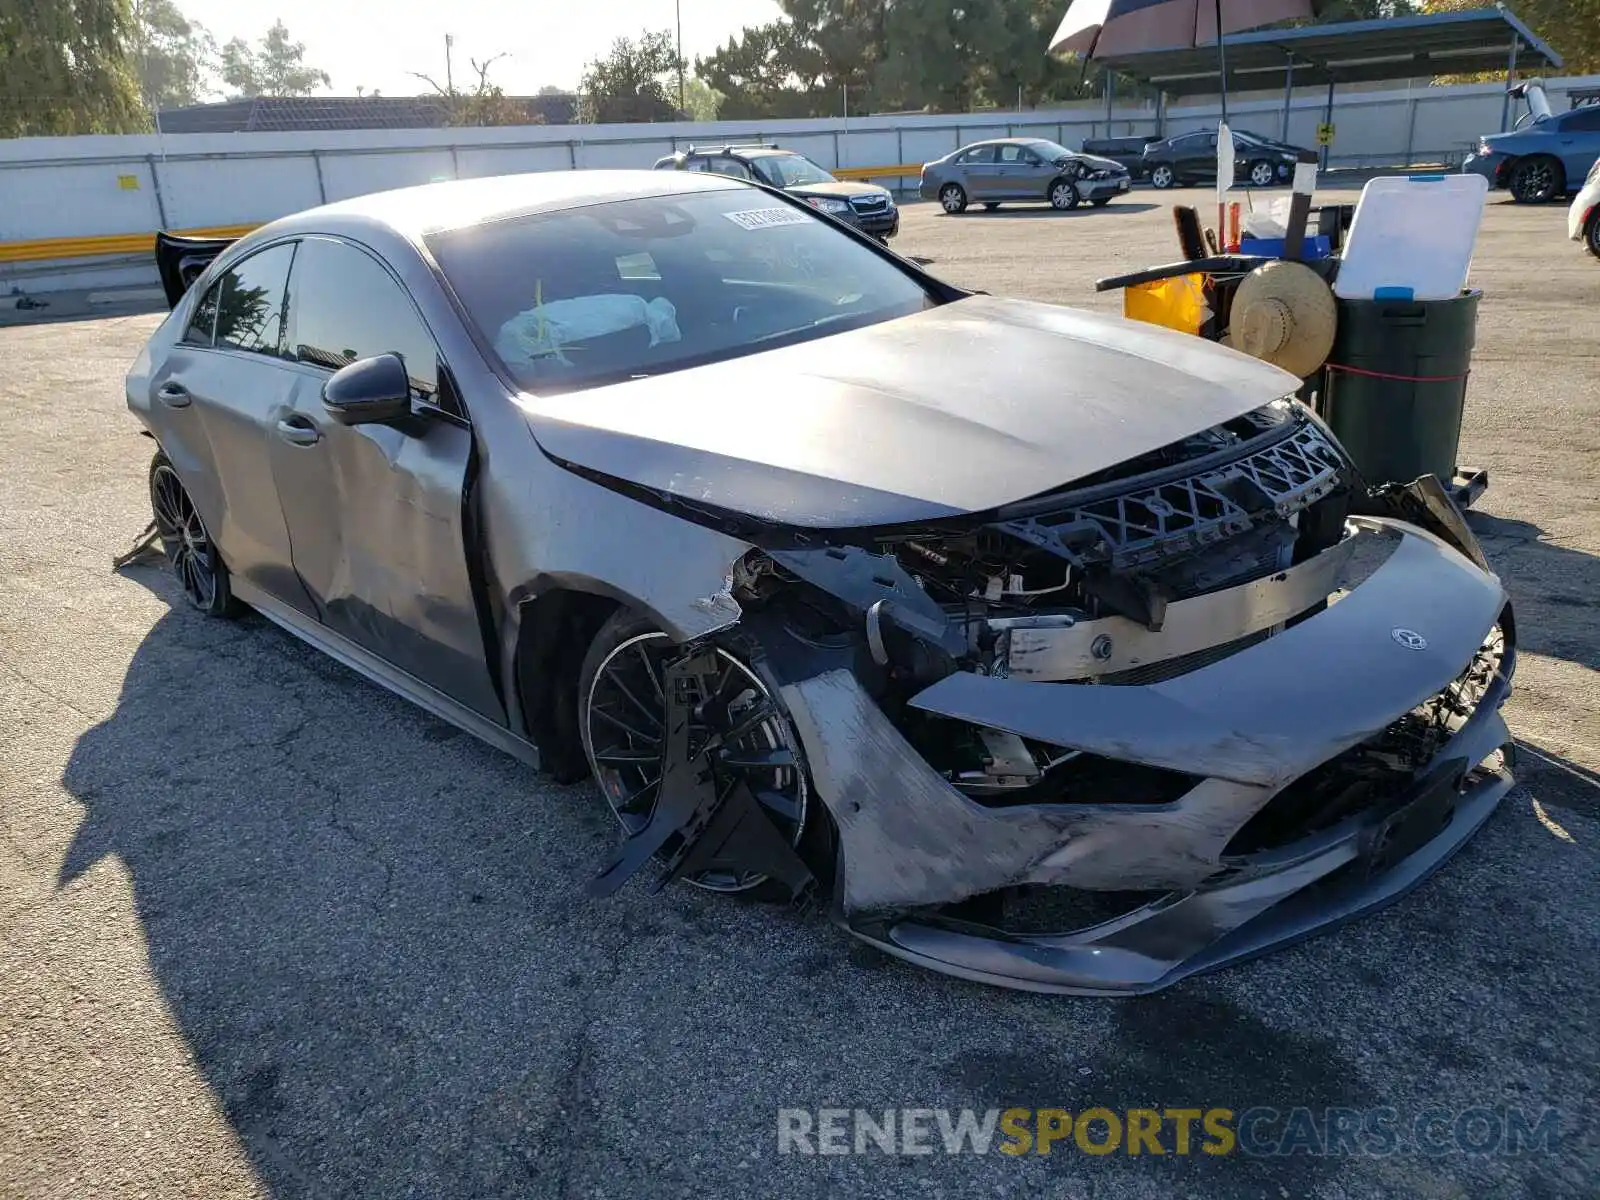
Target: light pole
[677,9]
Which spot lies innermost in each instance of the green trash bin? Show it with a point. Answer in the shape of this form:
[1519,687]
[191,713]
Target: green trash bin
[1396,384]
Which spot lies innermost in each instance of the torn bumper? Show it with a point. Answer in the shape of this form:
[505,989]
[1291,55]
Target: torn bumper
[1249,726]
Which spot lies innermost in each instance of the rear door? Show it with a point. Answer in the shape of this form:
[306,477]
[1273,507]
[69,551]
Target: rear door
[977,172]
[213,399]
[376,513]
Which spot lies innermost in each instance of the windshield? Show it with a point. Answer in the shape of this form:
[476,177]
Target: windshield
[1049,150]
[641,287]
[789,170]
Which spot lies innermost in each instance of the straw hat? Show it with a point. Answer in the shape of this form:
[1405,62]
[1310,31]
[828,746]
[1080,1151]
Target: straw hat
[1284,313]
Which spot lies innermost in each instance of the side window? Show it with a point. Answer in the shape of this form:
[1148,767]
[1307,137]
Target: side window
[978,154]
[1584,120]
[697,164]
[1012,154]
[731,167]
[344,305]
[202,325]
[250,307]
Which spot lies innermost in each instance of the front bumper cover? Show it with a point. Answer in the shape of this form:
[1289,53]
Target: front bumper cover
[910,844]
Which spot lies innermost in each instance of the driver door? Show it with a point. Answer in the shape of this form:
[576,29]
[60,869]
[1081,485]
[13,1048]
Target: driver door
[375,512]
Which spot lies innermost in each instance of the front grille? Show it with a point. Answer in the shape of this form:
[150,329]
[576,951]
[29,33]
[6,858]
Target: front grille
[1171,668]
[866,205]
[1146,525]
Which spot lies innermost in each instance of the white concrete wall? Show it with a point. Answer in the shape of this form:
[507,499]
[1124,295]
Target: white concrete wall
[69,187]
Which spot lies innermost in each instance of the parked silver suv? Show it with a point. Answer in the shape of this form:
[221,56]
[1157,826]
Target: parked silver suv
[1026,169]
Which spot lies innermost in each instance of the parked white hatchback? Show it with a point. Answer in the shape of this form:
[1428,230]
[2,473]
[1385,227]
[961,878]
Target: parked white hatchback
[1583,218]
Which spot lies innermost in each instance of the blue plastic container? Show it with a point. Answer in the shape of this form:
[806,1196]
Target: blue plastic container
[1313,247]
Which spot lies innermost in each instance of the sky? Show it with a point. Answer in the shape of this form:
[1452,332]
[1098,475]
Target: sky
[375,43]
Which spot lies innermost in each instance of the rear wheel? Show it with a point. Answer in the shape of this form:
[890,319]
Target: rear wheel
[1536,180]
[953,198]
[1064,195]
[1162,176]
[622,719]
[187,543]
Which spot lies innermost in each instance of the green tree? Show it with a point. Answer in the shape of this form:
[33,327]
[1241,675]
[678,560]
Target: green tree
[275,66]
[631,83]
[767,71]
[701,101]
[65,68]
[172,54]
[1570,27]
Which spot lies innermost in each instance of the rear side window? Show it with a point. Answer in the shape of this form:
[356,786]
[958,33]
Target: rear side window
[344,305]
[250,306]
[202,324]
[731,167]
[1584,120]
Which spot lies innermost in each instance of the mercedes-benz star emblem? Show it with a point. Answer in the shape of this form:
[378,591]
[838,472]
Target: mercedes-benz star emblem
[1409,638]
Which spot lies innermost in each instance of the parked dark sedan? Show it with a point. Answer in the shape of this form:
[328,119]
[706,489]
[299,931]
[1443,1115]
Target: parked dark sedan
[834,576]
[1192,158]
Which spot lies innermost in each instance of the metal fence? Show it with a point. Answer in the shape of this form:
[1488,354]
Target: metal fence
[81,211]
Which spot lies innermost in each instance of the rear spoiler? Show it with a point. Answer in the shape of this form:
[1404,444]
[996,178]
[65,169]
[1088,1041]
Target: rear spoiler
[181,259]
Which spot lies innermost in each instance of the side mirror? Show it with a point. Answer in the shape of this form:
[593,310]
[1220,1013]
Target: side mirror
[370,391]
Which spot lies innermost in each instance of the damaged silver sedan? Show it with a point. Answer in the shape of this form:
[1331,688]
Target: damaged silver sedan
[1049,650]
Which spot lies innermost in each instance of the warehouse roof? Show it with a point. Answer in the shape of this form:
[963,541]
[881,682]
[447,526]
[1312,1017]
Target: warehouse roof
[1394,48]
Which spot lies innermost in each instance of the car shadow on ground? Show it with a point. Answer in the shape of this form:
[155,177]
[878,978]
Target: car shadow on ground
[372,932]
[1556,589]
[1021,210]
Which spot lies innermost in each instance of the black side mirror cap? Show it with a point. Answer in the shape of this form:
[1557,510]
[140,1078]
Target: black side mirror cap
[370,391]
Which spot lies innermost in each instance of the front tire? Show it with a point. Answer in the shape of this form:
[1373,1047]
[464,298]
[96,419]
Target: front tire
[953,198]
[1591,233]
[1064,195]
[621,718]
[1537,180]
[1261,173]
[1162,177]
[187,543]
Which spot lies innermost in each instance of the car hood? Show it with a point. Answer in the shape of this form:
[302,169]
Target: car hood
[1097,163]
[843,188]
[957,409]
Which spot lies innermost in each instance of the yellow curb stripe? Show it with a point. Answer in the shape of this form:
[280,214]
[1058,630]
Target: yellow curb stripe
[48,249]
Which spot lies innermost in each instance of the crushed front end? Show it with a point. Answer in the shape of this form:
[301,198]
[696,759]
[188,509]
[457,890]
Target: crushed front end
[1200,705]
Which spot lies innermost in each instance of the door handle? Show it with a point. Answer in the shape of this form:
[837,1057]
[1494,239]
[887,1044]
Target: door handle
[298,431]
[173,395]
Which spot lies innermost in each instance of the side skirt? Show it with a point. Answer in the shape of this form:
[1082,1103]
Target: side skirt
[371,667]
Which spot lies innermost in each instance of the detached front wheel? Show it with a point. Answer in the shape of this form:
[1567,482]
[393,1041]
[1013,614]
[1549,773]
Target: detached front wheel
[187,542]
[622,716]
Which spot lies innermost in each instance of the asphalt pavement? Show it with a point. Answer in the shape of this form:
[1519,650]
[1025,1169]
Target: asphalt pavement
[267,930]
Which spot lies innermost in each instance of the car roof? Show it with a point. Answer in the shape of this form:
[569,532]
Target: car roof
[414,212]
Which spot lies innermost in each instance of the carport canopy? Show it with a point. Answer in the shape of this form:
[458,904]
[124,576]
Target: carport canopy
[1394,48]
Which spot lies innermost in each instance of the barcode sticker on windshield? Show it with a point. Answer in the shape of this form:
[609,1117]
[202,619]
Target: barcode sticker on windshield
[764,218]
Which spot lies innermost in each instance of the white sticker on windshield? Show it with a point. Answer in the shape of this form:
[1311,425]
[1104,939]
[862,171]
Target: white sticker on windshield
[764,218]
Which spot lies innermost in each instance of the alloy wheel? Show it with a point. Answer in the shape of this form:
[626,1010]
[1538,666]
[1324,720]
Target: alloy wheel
[1161,176]
[1261,174]
[183,537]
[952,198]
[1534,182]
[625,713]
